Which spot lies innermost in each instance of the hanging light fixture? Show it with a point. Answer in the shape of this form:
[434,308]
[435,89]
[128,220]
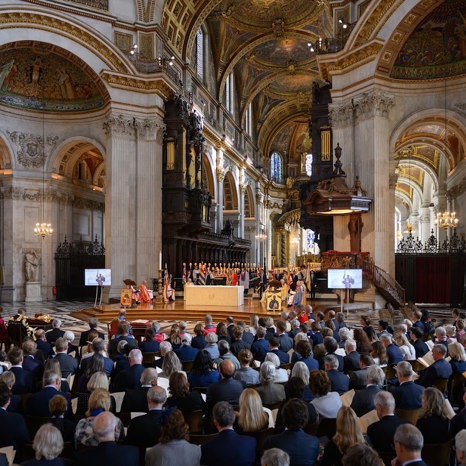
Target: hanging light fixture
[446,219]
[43,228]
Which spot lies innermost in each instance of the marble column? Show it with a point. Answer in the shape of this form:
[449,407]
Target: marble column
[242,191]
[220,178]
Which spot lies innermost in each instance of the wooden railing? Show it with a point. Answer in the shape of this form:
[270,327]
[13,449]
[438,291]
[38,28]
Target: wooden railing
[384,282]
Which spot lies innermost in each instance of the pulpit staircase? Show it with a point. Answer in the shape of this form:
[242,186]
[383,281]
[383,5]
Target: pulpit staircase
[385,284]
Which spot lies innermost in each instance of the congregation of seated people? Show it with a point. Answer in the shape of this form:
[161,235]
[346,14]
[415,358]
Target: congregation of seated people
[292,391]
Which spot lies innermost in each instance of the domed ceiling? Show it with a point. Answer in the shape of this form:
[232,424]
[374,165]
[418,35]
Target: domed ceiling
[265,44]
[39,76]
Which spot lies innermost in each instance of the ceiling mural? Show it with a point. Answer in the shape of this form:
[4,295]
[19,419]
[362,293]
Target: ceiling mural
[36,76]
[437,48]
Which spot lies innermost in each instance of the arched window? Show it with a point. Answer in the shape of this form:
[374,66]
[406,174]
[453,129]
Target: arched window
[248,120]
[309,160]
[229,93]
[276,167]
[201,38]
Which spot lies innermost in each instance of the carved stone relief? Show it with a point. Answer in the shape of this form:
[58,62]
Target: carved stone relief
[31,151]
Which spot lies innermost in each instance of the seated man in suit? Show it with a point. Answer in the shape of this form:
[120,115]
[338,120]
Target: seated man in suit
[261,346]
[38,403]
[331,346]
[363,400]
[381,433]
[351,360]
[228,448]
[30,363]
[93,325]
[24,382]
[407,395]
[358,379]
[339,381]
[42,344]
[55,332]
[408,445]
[68,364]
[440,369]
[275,456]
[292,440]
[420,346]
[393,352]
[186,352]
[13,430]
[286,343]
[144,431]
[274,344]
[135,400]
[108,451]
[129,378]
[226,389]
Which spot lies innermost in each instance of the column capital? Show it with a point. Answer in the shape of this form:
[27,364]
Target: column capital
[220,172]
[373,103]
[119,124]
[149,127]
[341,114]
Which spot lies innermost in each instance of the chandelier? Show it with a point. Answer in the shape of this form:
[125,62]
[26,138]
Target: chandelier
[446,220]
[43,229]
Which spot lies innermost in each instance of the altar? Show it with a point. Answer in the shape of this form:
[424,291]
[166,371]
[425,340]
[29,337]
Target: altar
[201,295]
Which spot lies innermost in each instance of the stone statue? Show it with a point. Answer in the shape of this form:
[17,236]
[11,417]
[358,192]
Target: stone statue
[31,266]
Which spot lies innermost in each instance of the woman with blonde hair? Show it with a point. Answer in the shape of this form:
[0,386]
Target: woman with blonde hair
[406,348]
[433,423]
[171,363]
[348,433]
[97,380]
[251,416]
[47,445]
[458,366]
[99,401]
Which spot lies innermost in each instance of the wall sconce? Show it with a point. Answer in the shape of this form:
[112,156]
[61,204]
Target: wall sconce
[134,49]
[342,24]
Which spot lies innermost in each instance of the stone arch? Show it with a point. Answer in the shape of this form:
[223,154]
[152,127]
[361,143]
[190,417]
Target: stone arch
[249,203]
[230,193]
[5,153]
[208,175]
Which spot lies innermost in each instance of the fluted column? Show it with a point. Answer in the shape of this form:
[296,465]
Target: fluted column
[220,172]
[242,191]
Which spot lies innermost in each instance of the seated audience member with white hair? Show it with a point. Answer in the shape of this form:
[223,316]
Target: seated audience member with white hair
[441,336]
[408,445]
[460,447]
[270,391]
[129,378]
[351,360]
[69,338]
[55,332]
[165,347]
[226,354]
[144,431]
[211,347]
[339,381]
[281,375]
[275,457]
[344,334]
[108,451]
[302,371]
[381,433]
[47,446]
[440,369]
[135,399]
[393,352]
[408,395]
[363,400]
[186,352]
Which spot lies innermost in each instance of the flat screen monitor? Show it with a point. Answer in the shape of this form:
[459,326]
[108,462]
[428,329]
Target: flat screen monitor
[97,277]
[345,278]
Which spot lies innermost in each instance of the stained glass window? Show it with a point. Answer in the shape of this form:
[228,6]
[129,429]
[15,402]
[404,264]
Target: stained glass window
[276,167]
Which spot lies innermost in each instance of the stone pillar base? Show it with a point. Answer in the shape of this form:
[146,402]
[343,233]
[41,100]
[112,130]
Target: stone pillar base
[33,292]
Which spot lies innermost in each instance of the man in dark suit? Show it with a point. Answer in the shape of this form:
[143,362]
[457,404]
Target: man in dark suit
[54,333]
[237,343]
[186,352]
[144,431]
[381,433]
[274,344]
[285,342]
[68,364]
[408,395]
[228,448]
[42,344]
[339,381]
[351,360]
[295,416]
[393,352]
[363,400]
[358,379]
[38,403]
[13,430]
[261,346]
[230,321]
[30,363]
[408,445]
[99,346]
[420,346]
[24,382]
[227,389]
[108,451]
[135,400]
[331,345]
[440,369]
[93,323]
[129,378]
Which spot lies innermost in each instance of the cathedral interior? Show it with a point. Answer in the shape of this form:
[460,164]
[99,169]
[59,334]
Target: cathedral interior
[152,133]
